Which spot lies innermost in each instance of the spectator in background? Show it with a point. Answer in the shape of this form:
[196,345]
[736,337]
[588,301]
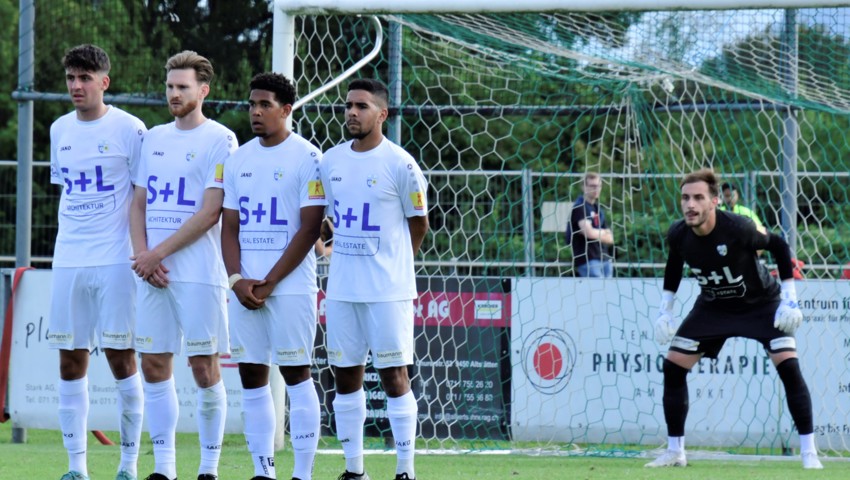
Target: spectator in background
[730,203]
[588,232]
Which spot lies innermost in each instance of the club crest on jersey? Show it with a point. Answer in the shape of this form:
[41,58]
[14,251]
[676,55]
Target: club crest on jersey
[191,155]
[103,146]
[722,250]
[371,180]
[278,174]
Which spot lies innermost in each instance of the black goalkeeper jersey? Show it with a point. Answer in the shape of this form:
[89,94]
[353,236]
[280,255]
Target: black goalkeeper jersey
[724,262]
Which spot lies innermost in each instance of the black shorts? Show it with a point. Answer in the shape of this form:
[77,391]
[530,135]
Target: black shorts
[706,329]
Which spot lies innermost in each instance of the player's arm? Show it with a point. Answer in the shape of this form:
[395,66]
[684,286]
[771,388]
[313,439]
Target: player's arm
[204,219]
[231,253]
[158,277]
[298,248]
[665,323]
[788,316]
[603,235]
[418,226]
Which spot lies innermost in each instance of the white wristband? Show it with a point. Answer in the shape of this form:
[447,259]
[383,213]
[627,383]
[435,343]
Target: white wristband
[789,289]
[667,299]
[231,281]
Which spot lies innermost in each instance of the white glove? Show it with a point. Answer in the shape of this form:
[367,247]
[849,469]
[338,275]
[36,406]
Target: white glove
[665,324]
[788,316]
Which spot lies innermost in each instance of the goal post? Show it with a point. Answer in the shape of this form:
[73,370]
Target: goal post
[506,106]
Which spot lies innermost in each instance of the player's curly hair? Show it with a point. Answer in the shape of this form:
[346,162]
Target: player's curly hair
[88,58]
[703,175]
[282,87]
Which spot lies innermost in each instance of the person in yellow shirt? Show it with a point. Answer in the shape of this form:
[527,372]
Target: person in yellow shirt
[730,203]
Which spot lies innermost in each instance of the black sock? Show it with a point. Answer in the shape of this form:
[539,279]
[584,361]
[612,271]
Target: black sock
[797,394]
[675,398]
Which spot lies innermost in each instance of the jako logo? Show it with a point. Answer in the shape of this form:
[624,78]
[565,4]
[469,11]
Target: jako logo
[405,443]
[245,174]
[306,436]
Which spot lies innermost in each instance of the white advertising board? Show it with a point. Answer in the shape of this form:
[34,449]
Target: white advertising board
[34,372]
[586,368]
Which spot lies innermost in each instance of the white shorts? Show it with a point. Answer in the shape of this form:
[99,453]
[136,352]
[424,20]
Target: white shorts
[190,314]
[282,332]
[384,327]
[92,306]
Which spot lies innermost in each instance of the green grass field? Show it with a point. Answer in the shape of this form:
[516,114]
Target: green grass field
[43,458]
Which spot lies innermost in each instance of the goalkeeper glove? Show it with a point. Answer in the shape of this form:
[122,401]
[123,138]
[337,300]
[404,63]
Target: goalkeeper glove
[665,324]
[788,316]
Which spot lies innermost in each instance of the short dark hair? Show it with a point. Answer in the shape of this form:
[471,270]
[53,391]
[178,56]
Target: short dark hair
[373,86]
[728,186]
[283,89]
[703,175]
[88,58]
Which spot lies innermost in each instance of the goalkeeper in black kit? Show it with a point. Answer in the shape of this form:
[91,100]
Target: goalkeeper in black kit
[738,298]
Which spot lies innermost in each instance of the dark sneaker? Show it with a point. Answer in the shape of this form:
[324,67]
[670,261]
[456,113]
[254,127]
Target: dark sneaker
[207,476]
[158,476]
[346,475]
[403,476]
[261,478]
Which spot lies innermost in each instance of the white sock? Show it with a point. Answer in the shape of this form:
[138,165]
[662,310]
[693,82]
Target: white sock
[259,420]
[162,410]
[131,406]
[676,444]
[73,417]
[304,420]
[212,412]
[807,443]
[350,415]
[402,414]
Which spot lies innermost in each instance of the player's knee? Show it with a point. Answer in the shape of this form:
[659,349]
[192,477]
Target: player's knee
[674,375]
[295,375]
[73,364]
[121,362]
[395,381]
[156,368]
[790,373]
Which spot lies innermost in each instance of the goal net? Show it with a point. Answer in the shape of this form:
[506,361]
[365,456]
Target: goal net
[506,112]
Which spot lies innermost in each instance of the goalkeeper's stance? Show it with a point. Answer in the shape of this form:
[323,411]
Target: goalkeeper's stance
[738,298]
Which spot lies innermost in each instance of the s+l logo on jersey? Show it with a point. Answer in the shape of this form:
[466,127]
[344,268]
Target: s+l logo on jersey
[103,146]
[371,180]
[722,250]
[278,174]
[191,156]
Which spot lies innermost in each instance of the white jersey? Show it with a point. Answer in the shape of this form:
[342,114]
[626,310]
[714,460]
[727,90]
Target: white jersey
[95,162]
[370,195]
[269,187]
[176,167]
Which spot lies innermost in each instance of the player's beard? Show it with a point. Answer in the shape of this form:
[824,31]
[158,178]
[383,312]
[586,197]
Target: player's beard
[183,109]
[359,133]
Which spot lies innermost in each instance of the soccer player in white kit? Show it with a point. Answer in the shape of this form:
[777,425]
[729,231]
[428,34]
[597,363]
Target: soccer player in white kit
[94,152]
[176,239]
[376,201]
[273,209]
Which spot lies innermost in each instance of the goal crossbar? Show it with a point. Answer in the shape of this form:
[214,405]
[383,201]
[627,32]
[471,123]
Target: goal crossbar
[315,7]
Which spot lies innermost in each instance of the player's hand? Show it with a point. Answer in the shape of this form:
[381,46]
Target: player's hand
[665,324]
[263,290]
[665,327]
[159,278]
[244,290]
[788,316]
[146,264]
